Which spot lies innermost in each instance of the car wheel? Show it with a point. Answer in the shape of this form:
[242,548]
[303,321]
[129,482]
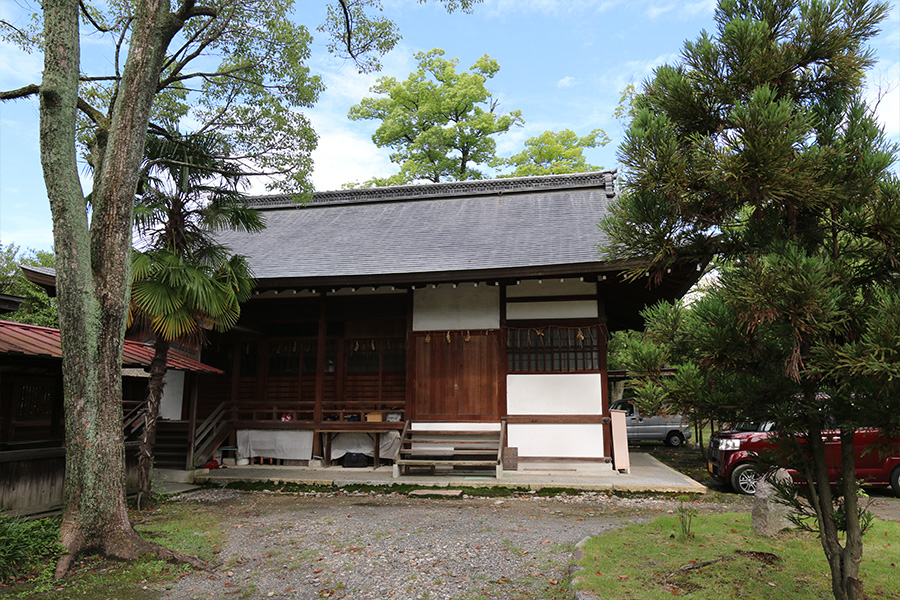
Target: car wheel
[744,479]
[895,481]
[674,439]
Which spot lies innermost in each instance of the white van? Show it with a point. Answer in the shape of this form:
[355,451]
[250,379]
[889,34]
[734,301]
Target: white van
[671,429]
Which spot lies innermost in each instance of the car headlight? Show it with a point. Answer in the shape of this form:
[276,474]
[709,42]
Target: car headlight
[729,444]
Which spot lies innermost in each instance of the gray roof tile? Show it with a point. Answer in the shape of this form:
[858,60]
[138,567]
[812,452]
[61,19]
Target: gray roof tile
[459,226]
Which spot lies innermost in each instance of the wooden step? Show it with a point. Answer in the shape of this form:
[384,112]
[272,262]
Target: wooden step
[494,443]
[460,463]
[445,452]
[454,447]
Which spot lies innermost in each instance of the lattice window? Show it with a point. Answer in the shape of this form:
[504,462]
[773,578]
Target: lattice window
[249,352]
[554,349]
[289,357]
[35,402]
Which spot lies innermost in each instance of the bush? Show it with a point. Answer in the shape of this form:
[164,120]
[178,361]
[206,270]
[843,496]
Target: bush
[25,545]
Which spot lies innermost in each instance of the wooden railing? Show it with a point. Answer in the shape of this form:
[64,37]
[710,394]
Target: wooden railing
[209,434]
[133,423]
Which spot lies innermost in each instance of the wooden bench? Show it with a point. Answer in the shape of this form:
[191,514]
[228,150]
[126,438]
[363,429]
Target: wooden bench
[425,447]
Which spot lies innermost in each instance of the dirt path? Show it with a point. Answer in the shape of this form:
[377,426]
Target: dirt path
[377,546]
[364,546]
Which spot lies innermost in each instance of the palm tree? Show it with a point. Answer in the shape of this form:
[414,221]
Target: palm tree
[184,282]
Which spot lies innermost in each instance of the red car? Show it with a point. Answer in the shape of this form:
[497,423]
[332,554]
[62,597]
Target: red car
[732,456]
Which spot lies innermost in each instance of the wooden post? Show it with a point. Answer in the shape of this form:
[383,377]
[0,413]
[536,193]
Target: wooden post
[602,333]
[192,421]
[321,348]
[235,382]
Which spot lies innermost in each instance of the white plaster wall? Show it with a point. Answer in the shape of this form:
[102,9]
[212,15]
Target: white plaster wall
[551,287]
[586,309]
[173,395]
[556,441]
[464,307]
[554,394]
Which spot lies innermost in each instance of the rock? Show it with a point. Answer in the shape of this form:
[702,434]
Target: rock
[769,517]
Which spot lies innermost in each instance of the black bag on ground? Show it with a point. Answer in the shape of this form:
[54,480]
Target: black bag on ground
[354,460]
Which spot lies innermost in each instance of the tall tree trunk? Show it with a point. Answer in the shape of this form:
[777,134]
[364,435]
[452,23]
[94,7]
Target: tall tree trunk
[93,277]
[155,387]
[843,561]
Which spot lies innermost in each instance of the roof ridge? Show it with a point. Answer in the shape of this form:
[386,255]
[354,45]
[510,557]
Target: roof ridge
[449,189]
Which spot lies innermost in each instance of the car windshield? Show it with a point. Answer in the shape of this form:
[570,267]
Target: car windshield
[753,426]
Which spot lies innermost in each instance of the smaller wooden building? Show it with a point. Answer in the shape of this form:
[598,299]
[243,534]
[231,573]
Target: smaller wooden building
[32,434]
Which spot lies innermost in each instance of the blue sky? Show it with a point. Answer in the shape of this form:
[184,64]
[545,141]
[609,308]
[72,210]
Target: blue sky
[563,63]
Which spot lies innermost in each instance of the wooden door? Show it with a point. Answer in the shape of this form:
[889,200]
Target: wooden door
[457,376]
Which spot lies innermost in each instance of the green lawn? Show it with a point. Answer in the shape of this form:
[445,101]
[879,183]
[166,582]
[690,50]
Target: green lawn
[655,560]
[176,525]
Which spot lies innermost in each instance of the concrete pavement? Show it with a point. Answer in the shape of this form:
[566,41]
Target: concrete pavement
[648,475]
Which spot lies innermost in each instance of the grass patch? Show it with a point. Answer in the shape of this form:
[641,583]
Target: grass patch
[724,558]
[174,525]
[550,492]
[26,545]
[300,488]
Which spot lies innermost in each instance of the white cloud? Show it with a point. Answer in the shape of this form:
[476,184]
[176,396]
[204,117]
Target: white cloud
[345,154]
[700,8]
[566,82]
[635,71]
[654,11]
[553,8]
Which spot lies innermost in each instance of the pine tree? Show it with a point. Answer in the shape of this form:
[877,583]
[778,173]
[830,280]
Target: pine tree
[757,150]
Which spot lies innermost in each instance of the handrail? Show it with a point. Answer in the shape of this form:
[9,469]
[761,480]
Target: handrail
[210,421]
[209,433]
[136,413]
[402,438]
[134,422]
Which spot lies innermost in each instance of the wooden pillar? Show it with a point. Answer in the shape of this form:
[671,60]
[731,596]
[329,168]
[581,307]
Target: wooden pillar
[192,421]
[235,383]
[503,359]
[602,333]
[410,408]
[321,348]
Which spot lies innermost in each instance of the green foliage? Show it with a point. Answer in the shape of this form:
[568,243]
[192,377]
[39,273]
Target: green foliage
[617,346]
[553,153]
[356,34]
[757,151]
[237,68]
[184,280]
[804,516]
[38,308]
[26,545]
[181,526]
[687,512]
[439,123]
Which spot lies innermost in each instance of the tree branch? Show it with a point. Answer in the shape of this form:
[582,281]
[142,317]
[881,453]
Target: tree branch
[28,90]
[97,26]
[189,9]
[348,27]
[97,117]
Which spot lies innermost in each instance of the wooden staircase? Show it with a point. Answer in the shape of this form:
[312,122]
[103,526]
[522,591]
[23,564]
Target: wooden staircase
[425,445]
[171,449]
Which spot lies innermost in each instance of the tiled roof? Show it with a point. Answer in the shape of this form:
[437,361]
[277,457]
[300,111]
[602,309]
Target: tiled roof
[31,340]
[446,227]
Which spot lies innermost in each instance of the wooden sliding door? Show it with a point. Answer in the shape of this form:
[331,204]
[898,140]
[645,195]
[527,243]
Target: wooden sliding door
[457,376]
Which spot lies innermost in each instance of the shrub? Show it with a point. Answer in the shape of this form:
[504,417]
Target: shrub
[25,545]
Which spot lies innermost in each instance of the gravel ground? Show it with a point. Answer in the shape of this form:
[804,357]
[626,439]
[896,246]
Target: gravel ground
[367,546]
